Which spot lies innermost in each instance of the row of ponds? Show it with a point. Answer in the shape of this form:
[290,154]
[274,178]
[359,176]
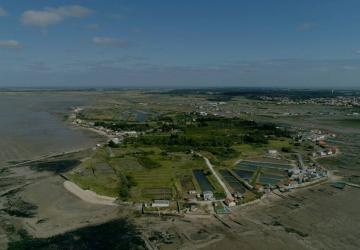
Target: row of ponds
[271,174]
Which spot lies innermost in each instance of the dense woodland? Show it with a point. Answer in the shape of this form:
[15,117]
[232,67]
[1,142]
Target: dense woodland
[226,94]
[186,132]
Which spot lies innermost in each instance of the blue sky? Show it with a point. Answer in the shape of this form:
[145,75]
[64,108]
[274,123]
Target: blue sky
[281,43]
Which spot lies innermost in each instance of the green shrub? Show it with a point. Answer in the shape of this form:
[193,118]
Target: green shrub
[146,162]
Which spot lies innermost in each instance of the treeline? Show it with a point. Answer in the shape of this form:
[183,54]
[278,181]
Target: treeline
[181,140]
[186,122]
[226,94]
[126,182]
[255,130]
[117,126]
[187,142]
[216,132]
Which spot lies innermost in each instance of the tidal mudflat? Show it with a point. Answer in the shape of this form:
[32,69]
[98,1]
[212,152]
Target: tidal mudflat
[32,196]
[32,125]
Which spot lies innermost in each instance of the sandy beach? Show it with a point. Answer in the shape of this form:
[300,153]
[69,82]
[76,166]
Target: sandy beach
[88,195]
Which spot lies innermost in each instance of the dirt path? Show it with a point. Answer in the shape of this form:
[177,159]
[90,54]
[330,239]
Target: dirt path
[228,193]
[89,196]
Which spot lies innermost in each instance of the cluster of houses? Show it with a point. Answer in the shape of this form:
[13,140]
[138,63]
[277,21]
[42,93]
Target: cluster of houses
[206,196]
[297,176]
[318,137]
[116,136]
[323,149]
[314,135]
[301,175]
[347,101]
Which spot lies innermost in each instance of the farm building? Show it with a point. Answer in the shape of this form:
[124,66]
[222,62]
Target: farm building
[273,152]
[130,133]
[230,202]
[192,191]
[160,203]
[115,141]
[208,195]
[322,144]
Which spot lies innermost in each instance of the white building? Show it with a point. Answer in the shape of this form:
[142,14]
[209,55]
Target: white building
[294,171]
[130,133]
[192,191]
[273,152]
[208,195]
[160,203]
[116,141]
[230,202]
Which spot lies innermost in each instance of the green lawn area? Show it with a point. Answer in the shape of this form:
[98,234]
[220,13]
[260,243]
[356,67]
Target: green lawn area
[251,151]
[100,173]
[351,123]
[174,166]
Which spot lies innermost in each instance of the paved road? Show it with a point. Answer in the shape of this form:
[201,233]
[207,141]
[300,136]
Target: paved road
[208,163]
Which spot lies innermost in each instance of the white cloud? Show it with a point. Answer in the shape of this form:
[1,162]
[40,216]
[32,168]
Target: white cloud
[40,18]
[51,16]
[107,41]
[11,44]
[74,11]
[3,12]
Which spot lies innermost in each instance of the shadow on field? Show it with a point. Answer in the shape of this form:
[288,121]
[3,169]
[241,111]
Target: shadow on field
[117,234]
[58,166]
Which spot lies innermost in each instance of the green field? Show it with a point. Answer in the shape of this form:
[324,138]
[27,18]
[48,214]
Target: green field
[158,163]
[109,169]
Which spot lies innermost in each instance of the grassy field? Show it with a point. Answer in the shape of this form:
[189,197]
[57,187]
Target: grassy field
[352,123]
[105,170]
[159,163]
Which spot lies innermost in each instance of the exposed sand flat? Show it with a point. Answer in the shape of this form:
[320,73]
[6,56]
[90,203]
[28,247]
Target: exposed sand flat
[88,195]
[59,210]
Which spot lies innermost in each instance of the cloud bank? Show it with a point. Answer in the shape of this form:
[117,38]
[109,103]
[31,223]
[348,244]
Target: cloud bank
[11,44]
[52,16]
[108,41]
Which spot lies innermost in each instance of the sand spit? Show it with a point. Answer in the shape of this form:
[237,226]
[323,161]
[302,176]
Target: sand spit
[88,195]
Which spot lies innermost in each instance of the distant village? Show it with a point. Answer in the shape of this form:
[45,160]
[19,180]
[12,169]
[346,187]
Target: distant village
[318,137]
[347,101]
